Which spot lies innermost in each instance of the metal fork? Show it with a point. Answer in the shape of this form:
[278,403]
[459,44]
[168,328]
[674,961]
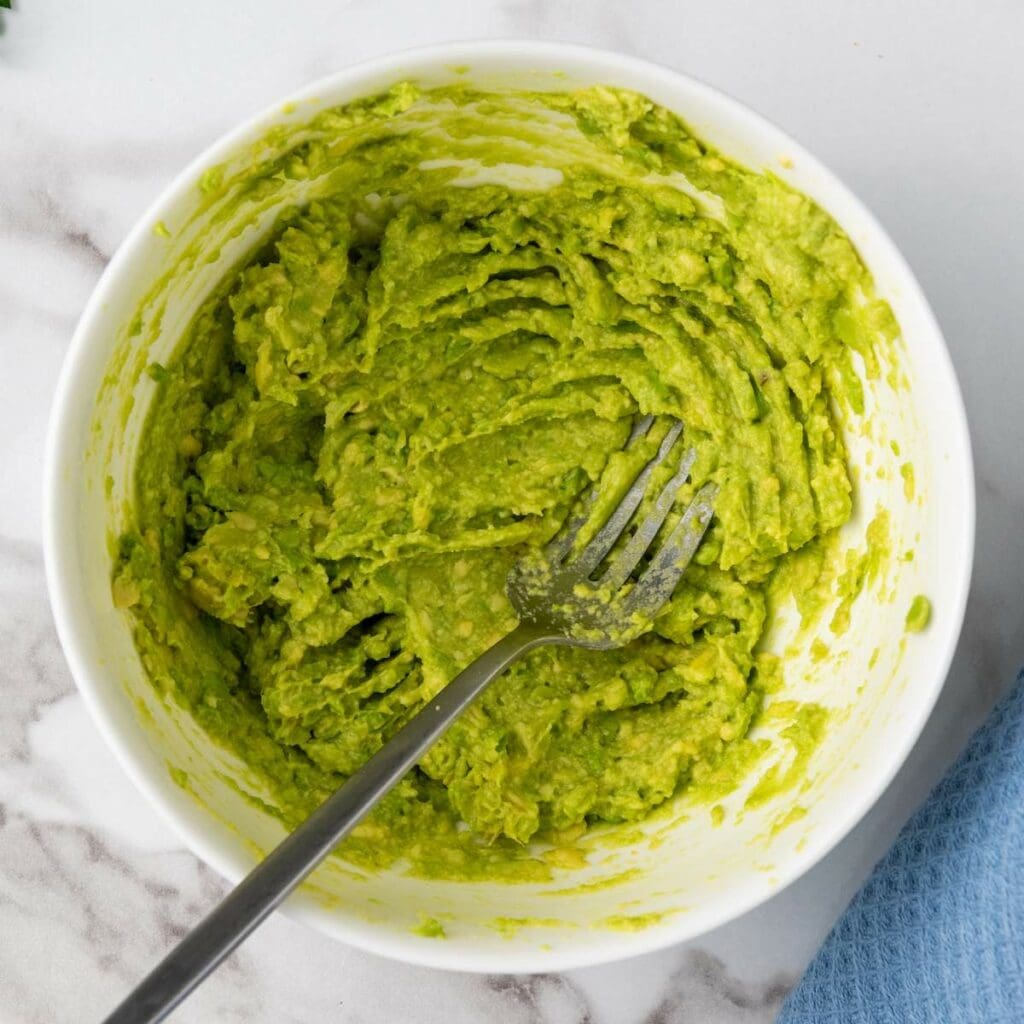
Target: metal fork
[558,601]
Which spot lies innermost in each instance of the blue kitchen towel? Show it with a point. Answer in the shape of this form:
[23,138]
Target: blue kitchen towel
[936,936]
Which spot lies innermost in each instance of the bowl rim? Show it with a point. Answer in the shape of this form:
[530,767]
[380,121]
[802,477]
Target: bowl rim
[70,623]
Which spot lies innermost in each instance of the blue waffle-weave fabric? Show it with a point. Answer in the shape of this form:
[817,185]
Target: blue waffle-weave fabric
[936,935]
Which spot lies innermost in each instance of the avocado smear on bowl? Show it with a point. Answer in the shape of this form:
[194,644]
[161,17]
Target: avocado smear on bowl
[407,386]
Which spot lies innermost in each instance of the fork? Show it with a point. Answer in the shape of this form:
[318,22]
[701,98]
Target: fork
[569,593]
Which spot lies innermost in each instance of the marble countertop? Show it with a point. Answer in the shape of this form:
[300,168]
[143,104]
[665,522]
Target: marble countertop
[101,103]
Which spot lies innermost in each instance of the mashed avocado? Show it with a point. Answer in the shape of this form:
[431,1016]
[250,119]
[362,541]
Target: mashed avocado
[406,388]
[919,614]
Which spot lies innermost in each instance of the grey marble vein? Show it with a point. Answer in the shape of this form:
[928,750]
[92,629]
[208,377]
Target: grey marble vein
[703,989]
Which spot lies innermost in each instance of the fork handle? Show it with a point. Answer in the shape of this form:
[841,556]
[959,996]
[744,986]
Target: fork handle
[252,900]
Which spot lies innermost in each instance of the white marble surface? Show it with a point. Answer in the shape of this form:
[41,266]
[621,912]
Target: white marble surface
[916,105]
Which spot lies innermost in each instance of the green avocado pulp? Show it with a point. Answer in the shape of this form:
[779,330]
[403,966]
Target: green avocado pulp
[405,389]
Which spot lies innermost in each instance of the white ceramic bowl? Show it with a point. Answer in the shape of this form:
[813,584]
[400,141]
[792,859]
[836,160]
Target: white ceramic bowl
[687,876]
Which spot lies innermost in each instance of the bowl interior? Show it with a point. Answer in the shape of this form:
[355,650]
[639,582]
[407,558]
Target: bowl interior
[643,887]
